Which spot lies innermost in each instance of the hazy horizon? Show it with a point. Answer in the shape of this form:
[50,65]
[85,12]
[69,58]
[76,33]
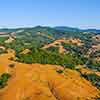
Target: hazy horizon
[83,28]
[29,13]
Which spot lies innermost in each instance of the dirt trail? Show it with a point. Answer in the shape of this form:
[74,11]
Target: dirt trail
[42,82]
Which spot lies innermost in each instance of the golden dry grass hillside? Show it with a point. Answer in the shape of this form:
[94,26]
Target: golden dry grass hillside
[43,82]
[58,44]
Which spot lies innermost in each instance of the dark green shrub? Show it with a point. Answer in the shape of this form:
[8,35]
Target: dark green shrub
[11,65]
[60,71]
[3,79]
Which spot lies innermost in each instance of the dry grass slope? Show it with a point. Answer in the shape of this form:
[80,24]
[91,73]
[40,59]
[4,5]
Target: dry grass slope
[43,82]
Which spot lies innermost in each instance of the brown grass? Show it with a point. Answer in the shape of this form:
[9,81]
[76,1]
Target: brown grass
[42,82]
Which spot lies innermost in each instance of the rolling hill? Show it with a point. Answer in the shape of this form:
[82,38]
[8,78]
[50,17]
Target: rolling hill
[60,63]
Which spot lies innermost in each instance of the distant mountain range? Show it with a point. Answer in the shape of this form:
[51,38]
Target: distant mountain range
[70,29]
[60,28]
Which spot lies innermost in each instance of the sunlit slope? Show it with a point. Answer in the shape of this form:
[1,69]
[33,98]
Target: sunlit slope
[43,82]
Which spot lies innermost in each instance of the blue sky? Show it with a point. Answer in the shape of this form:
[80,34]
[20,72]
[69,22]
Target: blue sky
[25,13]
